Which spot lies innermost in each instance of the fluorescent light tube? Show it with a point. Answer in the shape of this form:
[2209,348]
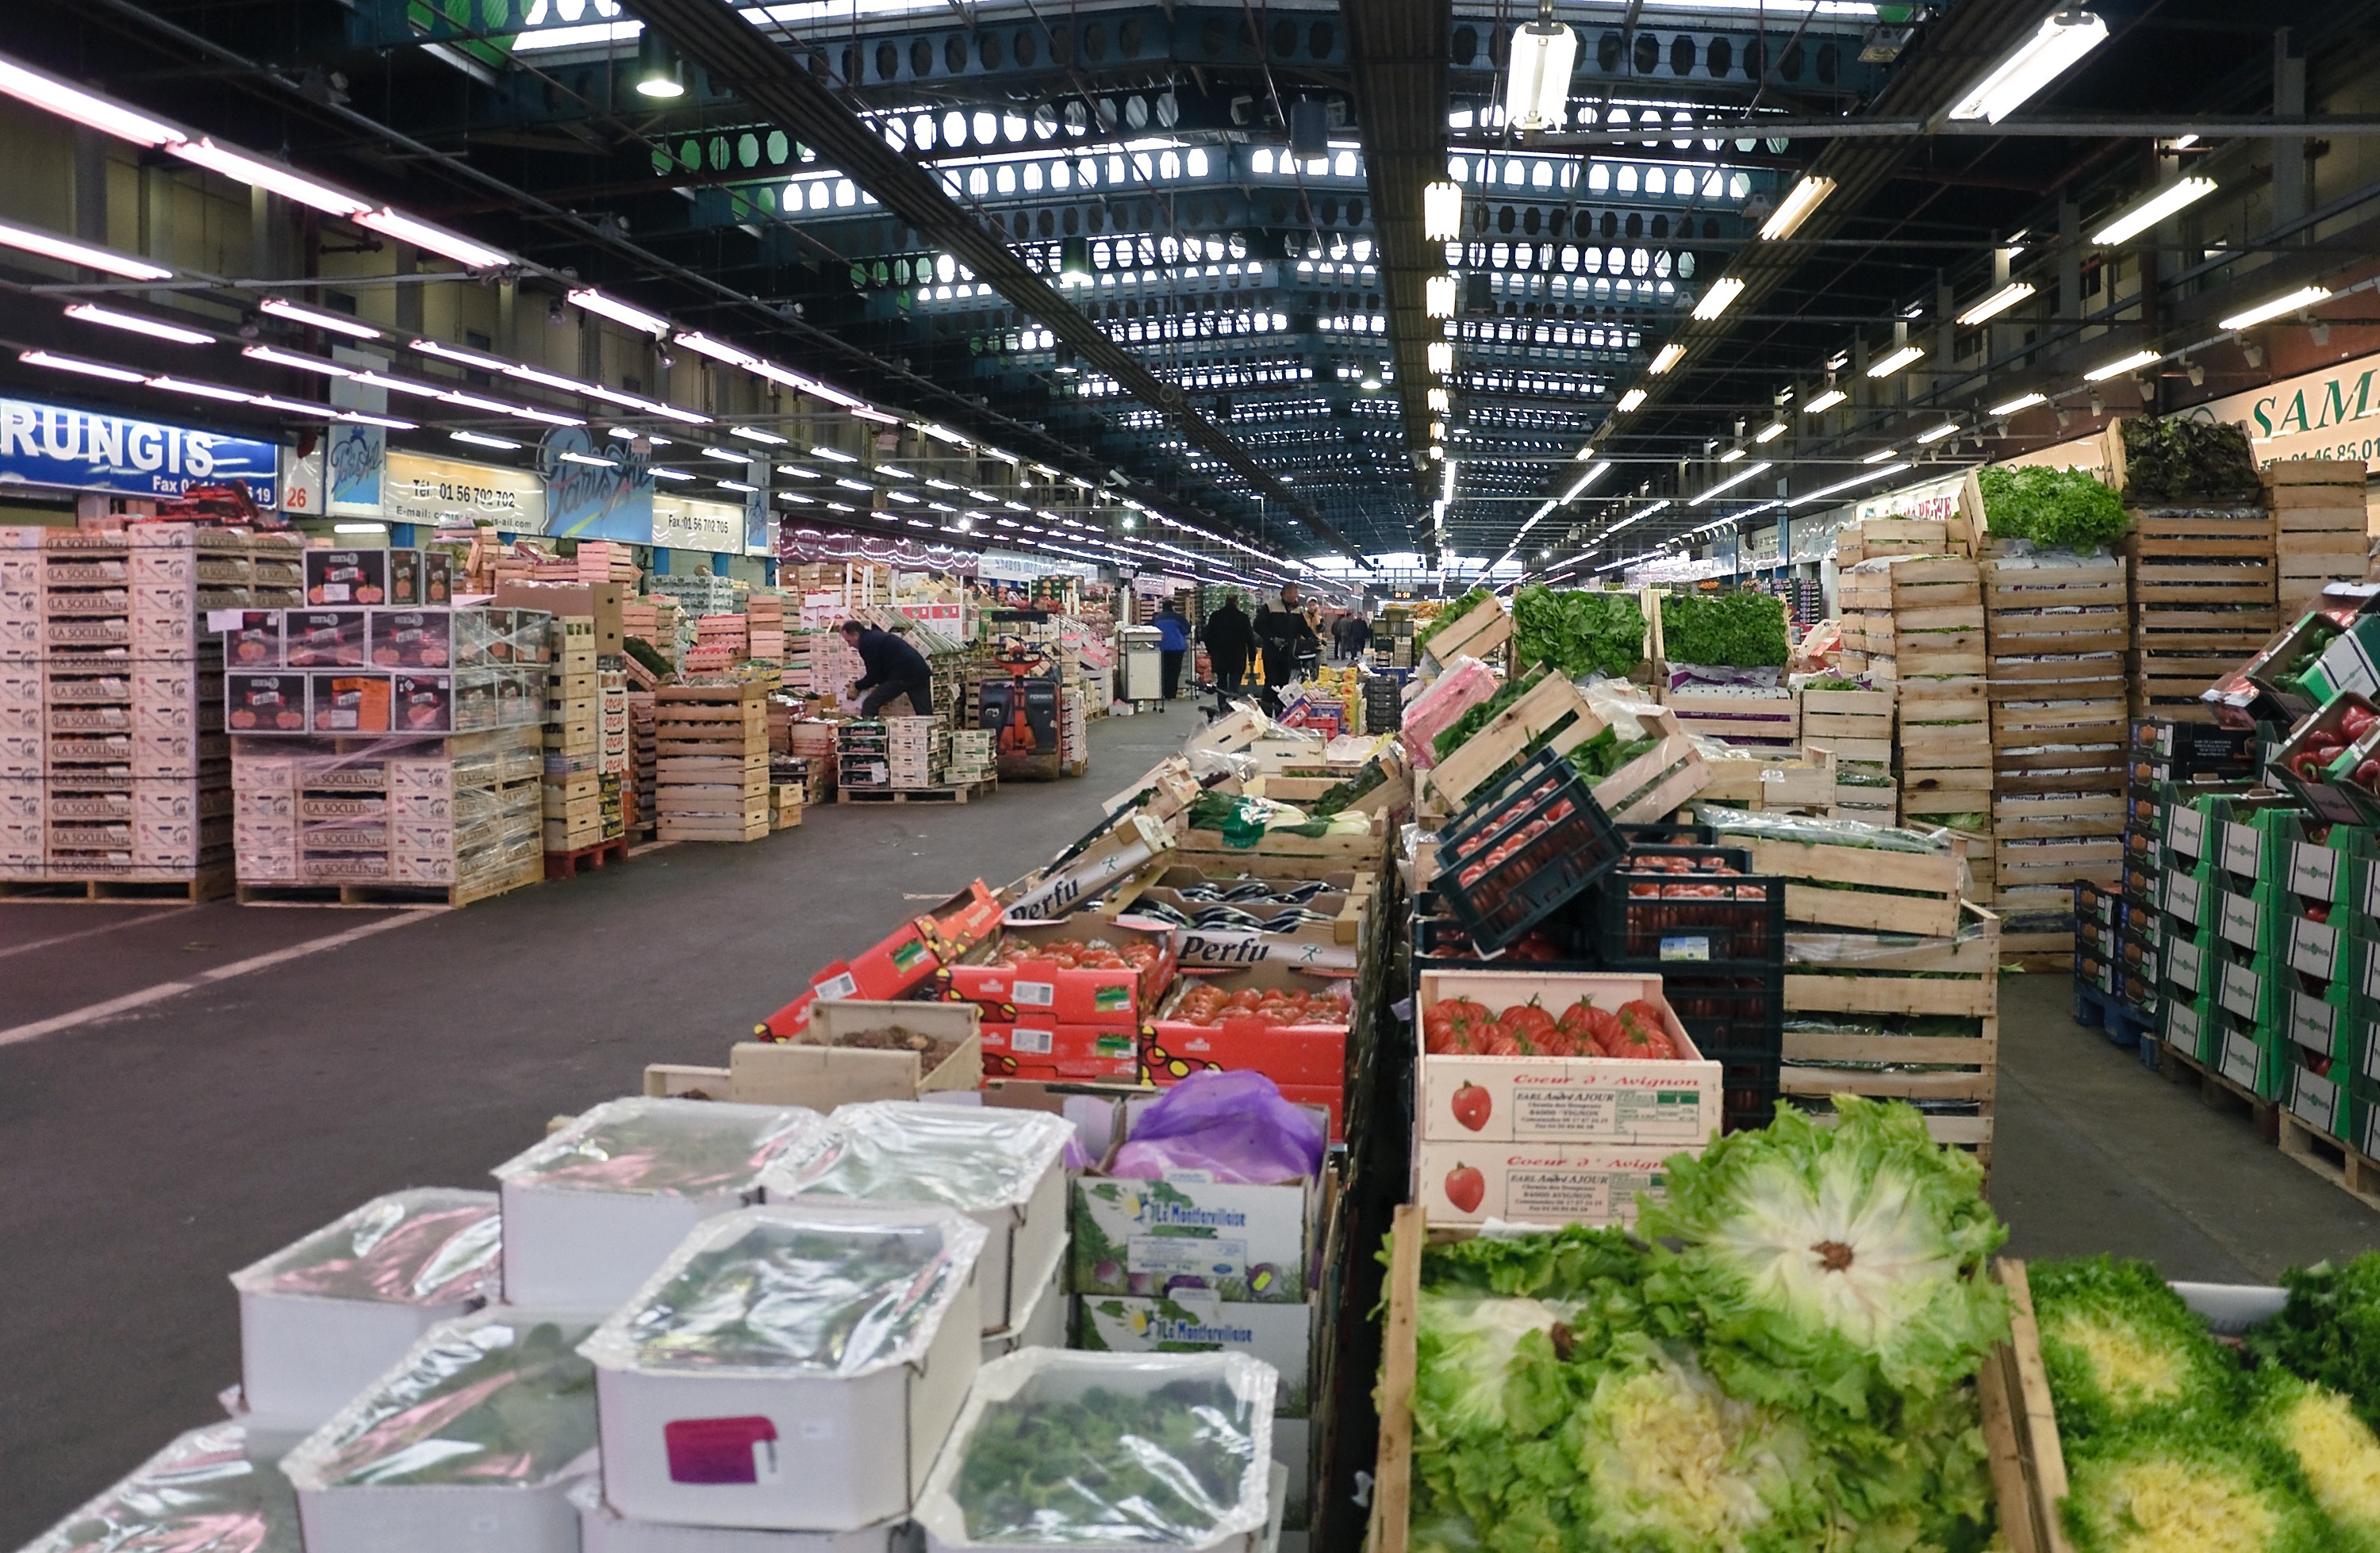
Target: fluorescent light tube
[362,417]
[703,345]
[1842,485]
[481,439]
[437,240]
[1897,360]
[1715,301]
[1769,432]
[467,358]
[837,455]
[1878,457]
[1999,302]
[1671,354]
[400,386]
[1629,401]
[84,107]
[1935,434]
[1438,296]
[27,240]
[660,473]
[1537,75]
[339,323]
[279,357]
[133,324]
[1730,482]
[550,380]
[1820,403]
[2021,402]
[754,434]
[2121,364]
[1731,455]
[2173,197]
[292,407]
[202,390]
[2063,38]
[1806,195]
[618,311]
[592,462]
[271,177]
[57,363]
[2304,297]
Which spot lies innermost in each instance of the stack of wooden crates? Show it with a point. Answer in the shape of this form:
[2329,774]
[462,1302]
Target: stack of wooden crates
[574,738]
[2203,595]
[2056,631]
[2320,525]
[713,749]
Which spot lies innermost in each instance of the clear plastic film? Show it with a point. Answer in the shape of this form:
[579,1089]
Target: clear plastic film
[1466,683]
[1815,947]
[1209,764]
[497,1400]
[665,1147]
[1819,832]
[431,1245]
[450,810]
[1059,1449]
[803,1288]
[974,1158]
[201,1494]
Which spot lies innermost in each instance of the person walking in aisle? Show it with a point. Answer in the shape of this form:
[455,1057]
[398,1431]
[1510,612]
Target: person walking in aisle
[1359,636]
[1286,637]
[1173,644]
[895,669]
[1231,641]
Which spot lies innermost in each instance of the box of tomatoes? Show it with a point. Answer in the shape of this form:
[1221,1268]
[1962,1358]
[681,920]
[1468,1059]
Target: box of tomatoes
[1288,1026]
[1065,1000]
[1558,1057]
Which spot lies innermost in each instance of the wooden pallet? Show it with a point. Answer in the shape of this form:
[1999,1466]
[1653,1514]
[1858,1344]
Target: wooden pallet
[566,864]
[958,795]
[211,885]
[2343,1165]
[2218,1092]
[380,896]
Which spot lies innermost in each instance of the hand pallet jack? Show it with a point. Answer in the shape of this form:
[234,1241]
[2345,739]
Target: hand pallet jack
[1024,708]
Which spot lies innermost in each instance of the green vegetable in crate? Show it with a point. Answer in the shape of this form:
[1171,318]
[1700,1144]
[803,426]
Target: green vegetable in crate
[2057,509]
[1578,632]
[2335,1450]
[1108,1466]
[1455,734]
[2195,1484]
[2175,459]
[1833,682]
[1733,630]
[1453,611]
[2121,1350]
[2330,1331]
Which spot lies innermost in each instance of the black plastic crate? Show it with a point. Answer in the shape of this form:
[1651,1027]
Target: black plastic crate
[1749,1106]
[1516,855]
[1658,920]
[1441,942]
[1667,832]
[1731,1014]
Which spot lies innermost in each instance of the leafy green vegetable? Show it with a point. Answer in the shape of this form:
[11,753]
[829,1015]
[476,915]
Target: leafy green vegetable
[1106,1467]
[1577,632]
[1450,611]
[1839,1264]
[2329,1331]
[1604,754]
[1833,682]
[2058,509]
[1458,732]
[2176,459]
[2121,1350]
[495,1400]
[1743,630]
[2193,1485]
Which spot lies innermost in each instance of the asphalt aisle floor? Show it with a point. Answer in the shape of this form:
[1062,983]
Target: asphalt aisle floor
[151,1152]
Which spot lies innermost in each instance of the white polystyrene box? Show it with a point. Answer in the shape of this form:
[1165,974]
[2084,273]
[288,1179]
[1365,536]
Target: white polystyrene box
[593,1209]
[325,1317]
[1004,1168]
[603,1529]
[793,1367]
[469,1445]
[1040,1378]
[1043,1323]
[204,1491]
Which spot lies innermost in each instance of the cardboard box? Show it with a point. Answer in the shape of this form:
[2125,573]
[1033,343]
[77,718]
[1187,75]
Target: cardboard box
[346,576]
[600,601]
[916,950]
[1046,992]
[1198,1321]
[325,638]
[1542,1184]
[1079,1053]
[1288,1054]
[350,703]
[272,702]
[765,1447]
[1568,1100]
[1134,842]
[603,1529]
[812,1067]
[1252,1243]
[422,703]
[421,639]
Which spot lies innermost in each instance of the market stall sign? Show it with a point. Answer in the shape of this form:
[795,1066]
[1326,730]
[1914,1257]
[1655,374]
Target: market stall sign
[450,492]
[1008,565]
[612,499]
[2334,413]
[1936,499]
[69,449]
[680,523]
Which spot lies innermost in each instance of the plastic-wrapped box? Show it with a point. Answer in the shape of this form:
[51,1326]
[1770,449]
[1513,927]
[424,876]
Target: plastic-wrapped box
[603,1529]
[1005,1169]
[469,1445]
[201,1494]
[593,1209]
[1058,1450]
[793,1367]
[324,1318]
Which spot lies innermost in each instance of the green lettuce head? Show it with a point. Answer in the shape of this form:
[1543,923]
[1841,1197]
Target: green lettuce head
[2191,1484]
[1842,1263]
[2335,1451]
[2120,1348]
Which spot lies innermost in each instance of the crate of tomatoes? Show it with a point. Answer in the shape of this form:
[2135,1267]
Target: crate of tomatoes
[1531,843]
[1689,906]
[1287,1025]
[1065,1000]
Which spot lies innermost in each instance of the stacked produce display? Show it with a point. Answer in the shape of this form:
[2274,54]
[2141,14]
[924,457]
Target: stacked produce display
[1721,668]
[2320,526]
[2201,549]
[712,744]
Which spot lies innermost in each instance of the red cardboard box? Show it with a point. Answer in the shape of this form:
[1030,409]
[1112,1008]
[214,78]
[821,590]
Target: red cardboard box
[900,963]
[789,1021]
[1060,1051]
[1304,1055]
[1043,990]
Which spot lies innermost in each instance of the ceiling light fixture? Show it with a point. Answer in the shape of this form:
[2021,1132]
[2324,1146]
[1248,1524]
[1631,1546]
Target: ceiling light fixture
[1671,354]
[1716,302]
[1842,485]
[2021,402]
[2061,40]
[435,239]
[594,301]
[2304,297]
[1442,212]
[1731,455]
[754,434]
[27,240]
[1878,457]
[2121,365]
[91,312]
[481,439]
[83,107]
[659,73]
[1935,434]
[1537,75]
[588,460]
[1593,473]
[1904,356]
[201,390]
[57,363]
[1821,403]
[2176,196]
[1442,356]
[1631,400]
[1999,302]
[1806,195]
[718,350]
[1730,482]
[271,177]
[1769,432]
[457,354]
[1438,296]
[315,318]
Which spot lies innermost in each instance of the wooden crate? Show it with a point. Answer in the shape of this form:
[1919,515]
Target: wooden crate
[1552,706]
[1652,786]
[2321,522]
[1480,632]
[1851,722]
[1891,891]
[1775,718]
[2202,589]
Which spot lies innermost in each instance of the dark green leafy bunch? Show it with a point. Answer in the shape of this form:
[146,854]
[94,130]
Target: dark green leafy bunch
[2058,509]
[2329,1331]
[1454,609]
[1457,733]
[1732,630]
[1576,632]
[1107,1467]
[2181,460]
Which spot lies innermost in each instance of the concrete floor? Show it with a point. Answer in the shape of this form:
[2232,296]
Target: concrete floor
[152,1150]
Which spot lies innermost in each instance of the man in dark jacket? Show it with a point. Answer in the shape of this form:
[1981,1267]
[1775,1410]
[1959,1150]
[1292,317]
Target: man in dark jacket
[1231,641]
[895,669]
[1285,636]
[1173,645]
[1359,636]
